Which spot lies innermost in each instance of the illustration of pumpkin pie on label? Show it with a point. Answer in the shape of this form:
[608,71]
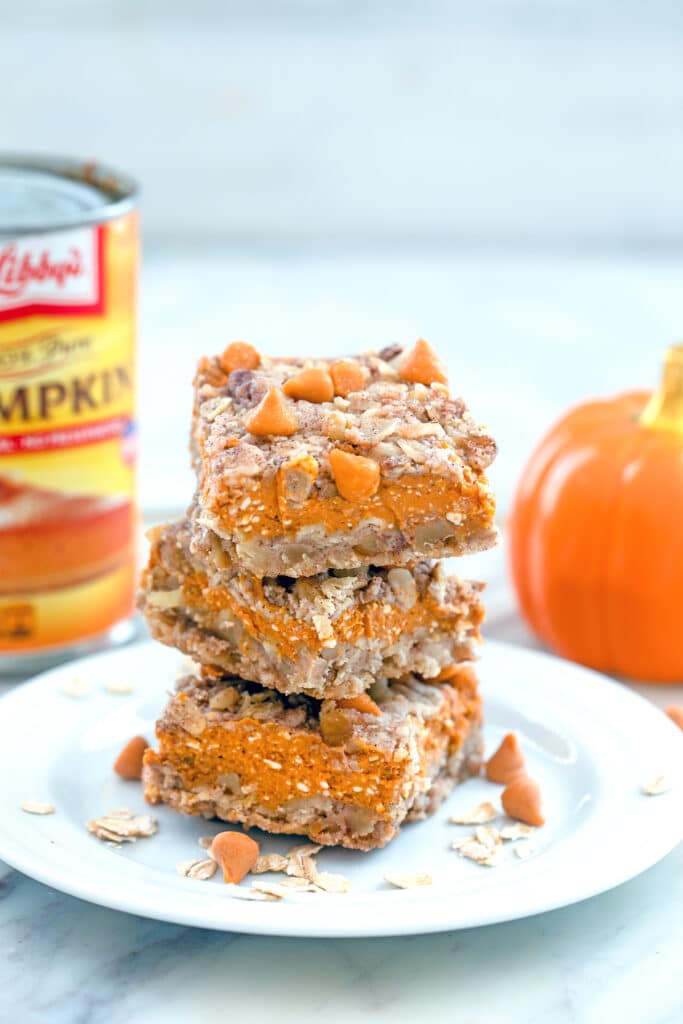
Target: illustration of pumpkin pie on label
[51,539]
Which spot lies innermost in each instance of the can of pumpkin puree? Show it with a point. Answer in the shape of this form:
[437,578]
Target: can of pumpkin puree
[68,269]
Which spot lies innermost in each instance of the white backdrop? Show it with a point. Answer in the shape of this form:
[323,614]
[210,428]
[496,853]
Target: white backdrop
[384,123]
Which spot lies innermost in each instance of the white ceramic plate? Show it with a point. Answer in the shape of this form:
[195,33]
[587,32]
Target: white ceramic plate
[590,742]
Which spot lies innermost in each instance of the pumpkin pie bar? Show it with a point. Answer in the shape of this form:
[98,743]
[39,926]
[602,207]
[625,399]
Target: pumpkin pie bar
[328,635]
[341,772]
[306,465]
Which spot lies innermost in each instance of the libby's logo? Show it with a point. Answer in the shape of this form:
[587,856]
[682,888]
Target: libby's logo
[55,273]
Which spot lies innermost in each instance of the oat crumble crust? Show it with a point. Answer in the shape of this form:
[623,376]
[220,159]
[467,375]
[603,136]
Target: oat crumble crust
[275,502]
[329,635]
[292,764]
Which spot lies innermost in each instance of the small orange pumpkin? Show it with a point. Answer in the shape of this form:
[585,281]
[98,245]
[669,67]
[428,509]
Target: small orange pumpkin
[596,533]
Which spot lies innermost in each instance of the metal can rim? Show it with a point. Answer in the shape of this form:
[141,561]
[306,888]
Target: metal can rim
[120,192]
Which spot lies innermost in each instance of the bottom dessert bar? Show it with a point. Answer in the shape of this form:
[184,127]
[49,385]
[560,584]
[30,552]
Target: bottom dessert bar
[346,772]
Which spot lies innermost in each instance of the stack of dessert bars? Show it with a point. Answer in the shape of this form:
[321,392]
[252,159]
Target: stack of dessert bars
[334,694]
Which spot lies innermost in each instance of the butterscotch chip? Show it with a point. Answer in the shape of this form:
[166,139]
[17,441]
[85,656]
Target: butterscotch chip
[129,762]
[507,762]
[363,703]
[235,853]
[272,416]
[310,386]
[356,477]
[521,799]
[422,366]
[675,713]
[347,377]
[239,355]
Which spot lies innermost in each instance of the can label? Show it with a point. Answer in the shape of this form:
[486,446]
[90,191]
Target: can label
[67,434]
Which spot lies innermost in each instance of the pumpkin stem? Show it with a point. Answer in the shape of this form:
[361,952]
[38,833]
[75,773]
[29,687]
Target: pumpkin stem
[664,411]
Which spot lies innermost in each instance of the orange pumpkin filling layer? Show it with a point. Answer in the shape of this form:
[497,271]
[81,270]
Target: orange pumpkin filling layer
[374,620]
[408,501]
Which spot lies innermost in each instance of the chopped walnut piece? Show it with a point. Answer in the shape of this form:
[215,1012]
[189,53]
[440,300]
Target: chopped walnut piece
[122,826]
[272,415]
[239,355]
[479,815]
[356,477]
[200,869]
[296,478]
[363,702]
[407,881]
[35,807]
[310,386]
[404,587]
[335,727]
[657,785]
[422,366]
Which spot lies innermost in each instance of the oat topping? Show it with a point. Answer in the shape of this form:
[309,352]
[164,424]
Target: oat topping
[478,852]
[479,815]
[119,687]
[270,862]
[516,831]
[407,881]
[657,785]
[36,807]
[200,869]
[122,826]
[77,688]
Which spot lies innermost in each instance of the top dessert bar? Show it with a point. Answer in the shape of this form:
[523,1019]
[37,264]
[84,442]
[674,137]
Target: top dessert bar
[306,465]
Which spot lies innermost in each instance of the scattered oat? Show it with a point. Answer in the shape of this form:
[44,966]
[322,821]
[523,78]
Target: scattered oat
[404,881]
[119,688]
[248,894]
[271,889]
[517,831]
[270,862]
[523,850]
[331,883]
[76,687]
[122,826]
[35,807]
[205,842]
[301,884]
[479,853]
[488,836]
[201,869]
[659,784]
[301,863]
[477,816]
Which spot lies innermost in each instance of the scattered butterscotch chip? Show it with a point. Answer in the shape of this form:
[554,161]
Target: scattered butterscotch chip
[272,415]
[657,785]
[236,854]
[521,799]
[347,377]
[119,688]
[310,386]
[129,762]
[479,815]
[356,477]
[507,762]
[76,687]
[122,826]
[675,713]
[36,807]
[200,869]
[407,881]
[516,831]
[239,355]
[363,702]
[422,366]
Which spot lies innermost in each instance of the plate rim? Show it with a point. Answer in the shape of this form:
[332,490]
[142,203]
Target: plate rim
[245,917]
